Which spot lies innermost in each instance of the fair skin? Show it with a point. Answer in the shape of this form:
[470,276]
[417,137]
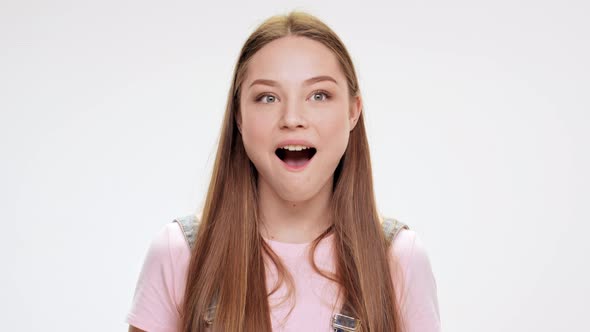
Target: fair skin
[279,102]
[295,205]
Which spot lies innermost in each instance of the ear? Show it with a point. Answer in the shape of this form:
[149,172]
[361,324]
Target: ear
[355,111]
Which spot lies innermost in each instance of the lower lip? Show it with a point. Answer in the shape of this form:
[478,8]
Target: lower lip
[295,168]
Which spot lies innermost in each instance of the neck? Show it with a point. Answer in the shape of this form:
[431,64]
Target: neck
[293,221]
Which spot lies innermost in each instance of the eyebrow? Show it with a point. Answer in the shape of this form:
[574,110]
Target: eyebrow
[308,81]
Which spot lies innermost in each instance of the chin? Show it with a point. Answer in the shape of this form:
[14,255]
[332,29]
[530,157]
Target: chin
[298,195]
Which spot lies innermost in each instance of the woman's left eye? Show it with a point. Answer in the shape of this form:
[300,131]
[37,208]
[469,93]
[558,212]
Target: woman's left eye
[320,93]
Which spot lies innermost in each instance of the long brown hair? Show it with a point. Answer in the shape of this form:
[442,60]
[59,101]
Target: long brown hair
[228,258]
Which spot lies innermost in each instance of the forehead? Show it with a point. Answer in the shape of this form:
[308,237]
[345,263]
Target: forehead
[292,60]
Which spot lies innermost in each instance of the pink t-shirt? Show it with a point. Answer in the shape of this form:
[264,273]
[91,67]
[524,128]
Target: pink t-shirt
[159,291]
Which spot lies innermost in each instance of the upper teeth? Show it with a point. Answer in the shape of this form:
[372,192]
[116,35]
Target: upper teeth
[295,147]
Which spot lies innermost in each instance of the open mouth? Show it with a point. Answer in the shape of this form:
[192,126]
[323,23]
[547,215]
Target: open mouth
[295,158]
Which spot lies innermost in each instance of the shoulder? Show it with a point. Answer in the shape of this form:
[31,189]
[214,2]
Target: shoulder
[412,271]
[160,286]
[403,245]
[167,257]
[168,238]
[402,242]
[169,245]
[166,261]
[410,253]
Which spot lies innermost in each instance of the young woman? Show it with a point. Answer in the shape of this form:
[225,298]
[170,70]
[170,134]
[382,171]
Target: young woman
[289,238]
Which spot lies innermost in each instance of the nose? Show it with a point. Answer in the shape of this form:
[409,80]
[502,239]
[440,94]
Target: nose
[293,115]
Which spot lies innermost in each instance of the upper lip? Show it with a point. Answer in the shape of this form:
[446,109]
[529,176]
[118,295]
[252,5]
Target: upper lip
[295,142]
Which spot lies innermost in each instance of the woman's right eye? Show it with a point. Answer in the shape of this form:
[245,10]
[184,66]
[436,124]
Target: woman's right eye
[266,99]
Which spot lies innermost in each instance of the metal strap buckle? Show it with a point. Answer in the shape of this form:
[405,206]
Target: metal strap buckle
[343,323]
[210,315]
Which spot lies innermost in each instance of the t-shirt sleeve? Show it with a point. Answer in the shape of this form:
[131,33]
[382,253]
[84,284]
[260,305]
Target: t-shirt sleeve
[418,297]
[158,293]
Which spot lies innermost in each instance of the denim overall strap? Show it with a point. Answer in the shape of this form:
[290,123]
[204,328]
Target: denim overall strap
[391,227]
[189,225]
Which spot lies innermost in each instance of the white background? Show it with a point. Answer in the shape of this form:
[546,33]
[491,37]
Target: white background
[478,115]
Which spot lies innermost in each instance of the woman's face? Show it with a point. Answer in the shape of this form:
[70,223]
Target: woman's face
[295,97]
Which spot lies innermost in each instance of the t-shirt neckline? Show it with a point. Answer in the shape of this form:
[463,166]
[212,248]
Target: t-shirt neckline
[289,247]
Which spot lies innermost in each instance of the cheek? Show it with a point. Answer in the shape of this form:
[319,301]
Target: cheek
[334,132]
[335,126]
[253,127]
[337,136]
[256,133]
